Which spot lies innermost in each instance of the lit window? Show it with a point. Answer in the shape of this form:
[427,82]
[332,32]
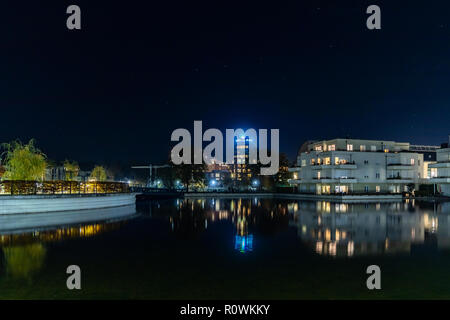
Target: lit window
[378,189]
[349,147]
[362,148]
[373,148]
[412,162]
[303,163]
[332,147]
[318,148]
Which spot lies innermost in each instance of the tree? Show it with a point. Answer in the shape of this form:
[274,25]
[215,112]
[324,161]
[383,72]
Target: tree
[190,174]
[167,175]
[72,169]
[24,161]
[98,174]
[283,174]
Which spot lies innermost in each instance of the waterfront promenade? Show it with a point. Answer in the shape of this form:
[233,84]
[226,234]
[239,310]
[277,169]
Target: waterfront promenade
[20,197]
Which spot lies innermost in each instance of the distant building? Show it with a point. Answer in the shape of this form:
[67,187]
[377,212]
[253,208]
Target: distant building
[240,169]
[442,166]
[217,175]
[55,173]
[357,166]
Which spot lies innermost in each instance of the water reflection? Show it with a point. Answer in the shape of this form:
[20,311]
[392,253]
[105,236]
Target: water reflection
[327,228]
[24,261]
[250,218]
[338,229]
[24,250]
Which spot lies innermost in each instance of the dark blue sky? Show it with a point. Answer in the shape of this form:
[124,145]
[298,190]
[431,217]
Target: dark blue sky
[137,70]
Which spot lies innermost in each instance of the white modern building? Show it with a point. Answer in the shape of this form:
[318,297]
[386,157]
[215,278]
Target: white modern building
[351,166]
[442,166]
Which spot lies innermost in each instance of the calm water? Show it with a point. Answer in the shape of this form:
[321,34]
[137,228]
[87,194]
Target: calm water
[231,249]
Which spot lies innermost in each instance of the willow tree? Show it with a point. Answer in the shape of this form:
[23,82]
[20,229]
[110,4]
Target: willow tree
[72,169]
[98,174]
[23,161]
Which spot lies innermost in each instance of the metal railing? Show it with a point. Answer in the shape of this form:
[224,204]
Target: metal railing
[19,187]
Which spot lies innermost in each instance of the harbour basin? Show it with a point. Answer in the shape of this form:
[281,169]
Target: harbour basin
[252,248]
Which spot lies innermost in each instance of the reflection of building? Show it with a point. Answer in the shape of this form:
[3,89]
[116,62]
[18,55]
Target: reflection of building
[357,166]
[25,253]
[442,167]
[243,244]
[339,229]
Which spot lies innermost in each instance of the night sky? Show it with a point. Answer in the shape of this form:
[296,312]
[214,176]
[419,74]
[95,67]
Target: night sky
[115,90]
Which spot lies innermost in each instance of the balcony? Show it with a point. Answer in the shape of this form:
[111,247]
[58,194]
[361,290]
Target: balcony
[441,164]
[347,165]
[440,180]
[400,166]
[399,179]
[344,165]
[334,180]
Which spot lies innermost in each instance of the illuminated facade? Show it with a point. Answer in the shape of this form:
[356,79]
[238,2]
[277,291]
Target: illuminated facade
[442,166]
[345,166]
[240,169]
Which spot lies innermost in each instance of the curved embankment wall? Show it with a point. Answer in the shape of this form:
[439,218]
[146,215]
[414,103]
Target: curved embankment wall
[23,223]
[52,203]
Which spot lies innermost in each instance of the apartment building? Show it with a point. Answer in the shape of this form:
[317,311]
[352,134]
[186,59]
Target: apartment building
[442,179]
[344,166]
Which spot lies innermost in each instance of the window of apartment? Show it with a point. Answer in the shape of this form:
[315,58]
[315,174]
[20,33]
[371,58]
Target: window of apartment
[336,160]
[313,161]
[318,148]
[386,150]
[377,175]
[366,188]
[327,161]
[433,173]
[412,161]
[362,148]
[373,148]
[377,189]
[303,163]
[332,147]
[366,161]
[318,174]
[349,147]
[319,161]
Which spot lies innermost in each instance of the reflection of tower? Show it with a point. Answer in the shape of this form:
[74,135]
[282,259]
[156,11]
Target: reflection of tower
[243,241]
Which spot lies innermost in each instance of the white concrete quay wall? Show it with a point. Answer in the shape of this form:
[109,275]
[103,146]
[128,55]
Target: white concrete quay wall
[52,203]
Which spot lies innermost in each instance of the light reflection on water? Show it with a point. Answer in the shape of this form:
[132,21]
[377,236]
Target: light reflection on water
[325,228]
[330,229]
[25,250]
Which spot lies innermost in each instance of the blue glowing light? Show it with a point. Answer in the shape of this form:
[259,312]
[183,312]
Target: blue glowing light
[244,244]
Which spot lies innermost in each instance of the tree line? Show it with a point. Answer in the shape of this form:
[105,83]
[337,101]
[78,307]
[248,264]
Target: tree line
[25,161]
